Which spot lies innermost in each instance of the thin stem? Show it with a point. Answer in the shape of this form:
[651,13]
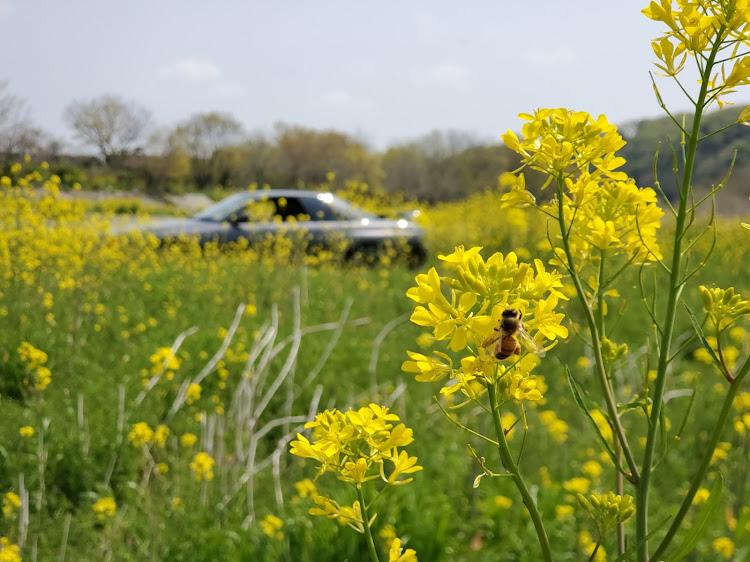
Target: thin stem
[726,409]
[510,465]
[366,521]
[675,288]
[596,348]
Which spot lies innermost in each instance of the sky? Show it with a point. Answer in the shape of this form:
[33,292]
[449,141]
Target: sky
[385,72]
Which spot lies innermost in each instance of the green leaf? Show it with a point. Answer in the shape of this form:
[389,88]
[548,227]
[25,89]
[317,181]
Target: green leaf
[635,405]
[581,406]
[702,337]
[628,554]
[700,526]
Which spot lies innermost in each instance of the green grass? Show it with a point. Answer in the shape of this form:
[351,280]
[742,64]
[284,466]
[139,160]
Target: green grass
[87,454]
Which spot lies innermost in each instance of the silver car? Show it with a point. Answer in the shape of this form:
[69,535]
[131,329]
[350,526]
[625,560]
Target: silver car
[320,218]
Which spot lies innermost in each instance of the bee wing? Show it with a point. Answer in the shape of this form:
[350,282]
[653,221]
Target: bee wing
[491,339]
[529,343]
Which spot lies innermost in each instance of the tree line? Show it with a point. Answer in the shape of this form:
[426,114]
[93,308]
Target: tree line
[213,149]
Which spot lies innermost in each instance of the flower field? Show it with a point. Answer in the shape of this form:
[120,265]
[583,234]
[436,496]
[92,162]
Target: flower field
[563,380]
[150,396]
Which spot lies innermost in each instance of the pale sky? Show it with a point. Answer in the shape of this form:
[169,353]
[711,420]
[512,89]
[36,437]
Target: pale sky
[386,71]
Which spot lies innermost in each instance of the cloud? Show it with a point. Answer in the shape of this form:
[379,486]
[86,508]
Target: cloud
[189,70]
[451,75]
[551,57]
[344,100]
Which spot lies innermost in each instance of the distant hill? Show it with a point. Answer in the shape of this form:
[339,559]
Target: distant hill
[714,158]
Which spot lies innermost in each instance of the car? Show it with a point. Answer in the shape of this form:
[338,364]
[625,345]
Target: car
[322,219]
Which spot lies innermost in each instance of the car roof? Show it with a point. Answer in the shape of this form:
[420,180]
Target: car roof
[289,192]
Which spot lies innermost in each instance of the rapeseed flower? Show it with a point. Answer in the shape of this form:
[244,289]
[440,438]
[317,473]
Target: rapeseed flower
[465,308]
[193,393]
[724,546]
[397,554]
[26,431]
[141,434]
[271,526]
[104,507]
[188,439]
[11,503]
[202,467]
[9,552]
[358,445]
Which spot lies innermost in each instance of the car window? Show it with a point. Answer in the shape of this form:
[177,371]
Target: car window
[258,210]
[320,210]
[290,208]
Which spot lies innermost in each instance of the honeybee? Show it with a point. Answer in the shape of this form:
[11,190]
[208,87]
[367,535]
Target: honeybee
[510,327]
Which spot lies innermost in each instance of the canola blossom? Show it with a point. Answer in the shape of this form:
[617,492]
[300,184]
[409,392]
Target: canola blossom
[601,209]
[464,309]
[359,445]
[700,30]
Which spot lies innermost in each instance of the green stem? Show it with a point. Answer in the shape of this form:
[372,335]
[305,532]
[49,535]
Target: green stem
[601,371]
[726,409]
[510,465]
[368,531]
[675,288]
[600,295]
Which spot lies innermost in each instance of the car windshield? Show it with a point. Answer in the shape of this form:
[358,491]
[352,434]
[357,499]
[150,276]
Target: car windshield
[223,208]
[263,208]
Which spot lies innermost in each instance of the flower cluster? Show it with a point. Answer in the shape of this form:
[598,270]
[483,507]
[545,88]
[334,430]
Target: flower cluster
[700,29]
[104,507]
[271,527]
[11,503]
[202,467]
[358,444]
[466,309]
[602,208]
[723,306]
[607,510]
[34,360]
[561,142]
[9,552]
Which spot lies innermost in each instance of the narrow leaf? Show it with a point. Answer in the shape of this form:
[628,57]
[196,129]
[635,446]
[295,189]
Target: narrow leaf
[694,534]
[628,554]
[581,406]
[702,337]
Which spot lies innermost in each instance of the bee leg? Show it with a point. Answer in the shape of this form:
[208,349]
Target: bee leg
[517,350]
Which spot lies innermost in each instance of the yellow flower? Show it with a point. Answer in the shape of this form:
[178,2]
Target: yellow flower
[141,434]
[11,502]
[26,431]
[563,511]
[32,356]
[188,439]
[193,393]
[42,378]
[701,496]
[8,551]
[306,488]
[397,554]
[202,467]
[503,502]
[557,428]
[723,546]
[592,469]
[104,507]
[577,484]
[160,435]
[270,525]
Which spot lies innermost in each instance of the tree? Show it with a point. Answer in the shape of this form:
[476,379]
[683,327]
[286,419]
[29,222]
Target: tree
[109,123]
[307,156]
[203,137]
[17,134]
